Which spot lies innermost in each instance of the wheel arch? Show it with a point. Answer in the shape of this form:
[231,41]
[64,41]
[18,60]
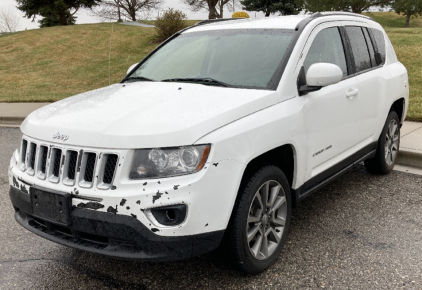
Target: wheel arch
[283,157]
[399,106]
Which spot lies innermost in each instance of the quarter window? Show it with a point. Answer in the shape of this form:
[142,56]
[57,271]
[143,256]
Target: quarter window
[380,40]
[327,47]
[359,48]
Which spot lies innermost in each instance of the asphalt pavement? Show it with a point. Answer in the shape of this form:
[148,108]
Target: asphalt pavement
[360,232]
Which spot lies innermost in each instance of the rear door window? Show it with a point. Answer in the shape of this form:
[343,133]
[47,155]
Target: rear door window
[359,48]
[327,47]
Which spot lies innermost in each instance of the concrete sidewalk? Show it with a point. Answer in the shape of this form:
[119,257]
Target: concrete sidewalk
[13,114]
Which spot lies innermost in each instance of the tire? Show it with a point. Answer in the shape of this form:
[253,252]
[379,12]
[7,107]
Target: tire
[388,147]
[251,219]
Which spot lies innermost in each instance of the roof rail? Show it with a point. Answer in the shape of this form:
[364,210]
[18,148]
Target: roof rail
[338,13]
[209,21]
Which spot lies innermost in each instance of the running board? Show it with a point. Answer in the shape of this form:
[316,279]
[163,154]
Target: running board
[333,177]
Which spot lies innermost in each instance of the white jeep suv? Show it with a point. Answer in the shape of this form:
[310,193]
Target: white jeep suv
[213,138]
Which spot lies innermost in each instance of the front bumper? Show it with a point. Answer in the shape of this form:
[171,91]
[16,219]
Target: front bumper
[112,235]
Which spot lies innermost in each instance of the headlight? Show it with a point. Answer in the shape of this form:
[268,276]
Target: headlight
[166,162]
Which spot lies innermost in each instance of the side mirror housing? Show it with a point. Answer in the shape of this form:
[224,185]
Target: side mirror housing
[131,68]
[323,74]
[319,75]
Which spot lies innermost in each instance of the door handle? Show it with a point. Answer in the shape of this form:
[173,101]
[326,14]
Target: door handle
[352,93]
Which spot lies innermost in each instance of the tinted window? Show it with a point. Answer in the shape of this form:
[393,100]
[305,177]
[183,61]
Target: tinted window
[327,47]
[359,48]
[370,48]
[380,40]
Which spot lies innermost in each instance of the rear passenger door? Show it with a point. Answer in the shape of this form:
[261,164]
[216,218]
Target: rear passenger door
[371,82]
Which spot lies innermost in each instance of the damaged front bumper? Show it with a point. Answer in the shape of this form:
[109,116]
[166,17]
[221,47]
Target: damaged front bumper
[110,234]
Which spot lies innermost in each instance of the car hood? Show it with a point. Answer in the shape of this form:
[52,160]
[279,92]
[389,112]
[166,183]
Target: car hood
[144,114]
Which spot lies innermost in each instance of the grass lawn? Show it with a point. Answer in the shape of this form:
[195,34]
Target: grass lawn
[50,64]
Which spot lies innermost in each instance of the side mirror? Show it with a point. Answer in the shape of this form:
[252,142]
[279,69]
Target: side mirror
[323,74]
[319,75]
[131,68]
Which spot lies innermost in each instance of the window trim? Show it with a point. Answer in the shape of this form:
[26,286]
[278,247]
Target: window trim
[351,55]
[367,45]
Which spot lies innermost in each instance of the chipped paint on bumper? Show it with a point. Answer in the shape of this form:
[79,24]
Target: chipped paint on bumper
[208,196]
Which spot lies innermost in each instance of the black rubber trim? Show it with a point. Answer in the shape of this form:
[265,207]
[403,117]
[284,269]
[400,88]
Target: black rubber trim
[113,235]
[351,68]
[334,172]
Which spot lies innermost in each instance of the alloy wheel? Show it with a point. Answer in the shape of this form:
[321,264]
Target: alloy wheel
[392,142]
[266,220]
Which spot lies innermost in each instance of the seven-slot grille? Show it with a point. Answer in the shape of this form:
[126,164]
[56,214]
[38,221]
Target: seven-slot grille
[69,166]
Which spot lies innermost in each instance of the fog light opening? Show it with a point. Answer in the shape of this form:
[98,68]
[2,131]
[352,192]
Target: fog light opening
[171,215]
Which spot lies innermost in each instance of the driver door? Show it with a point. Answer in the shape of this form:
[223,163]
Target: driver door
[331,113]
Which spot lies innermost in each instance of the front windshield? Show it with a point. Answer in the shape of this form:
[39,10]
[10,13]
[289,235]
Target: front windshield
[238,58]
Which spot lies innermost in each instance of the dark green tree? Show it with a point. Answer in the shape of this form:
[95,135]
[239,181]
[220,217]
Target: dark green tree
[284,7]
[54,12]
[53,19]
[355,6]
[408,8]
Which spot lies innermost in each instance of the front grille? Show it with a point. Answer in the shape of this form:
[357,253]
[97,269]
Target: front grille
[57,154]
[23,153]
[32,154]
[43,158]
[68,166]
[73,159]
[89,167]
[110,167]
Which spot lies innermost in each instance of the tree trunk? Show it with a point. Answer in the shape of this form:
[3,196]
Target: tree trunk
[267,13]
[133,14]
[212,13]
[221,9]
[407,20]
[63,19]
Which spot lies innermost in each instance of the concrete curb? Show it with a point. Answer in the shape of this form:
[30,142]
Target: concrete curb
[11,120]
[409,157]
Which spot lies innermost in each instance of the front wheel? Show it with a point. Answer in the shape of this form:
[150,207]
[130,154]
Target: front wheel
[388,147]
[260,220]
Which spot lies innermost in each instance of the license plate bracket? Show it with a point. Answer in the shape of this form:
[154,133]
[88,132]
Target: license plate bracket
[51,206]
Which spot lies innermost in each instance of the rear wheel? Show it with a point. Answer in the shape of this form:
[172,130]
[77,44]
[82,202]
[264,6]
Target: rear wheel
[260,220]
[388,147]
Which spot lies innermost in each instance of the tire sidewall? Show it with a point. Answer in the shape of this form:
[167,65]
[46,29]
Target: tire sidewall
[265,174]
[384,166]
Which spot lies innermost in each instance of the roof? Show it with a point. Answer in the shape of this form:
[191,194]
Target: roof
[280,22]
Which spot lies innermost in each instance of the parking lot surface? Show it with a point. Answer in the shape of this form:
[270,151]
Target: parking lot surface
[360,232]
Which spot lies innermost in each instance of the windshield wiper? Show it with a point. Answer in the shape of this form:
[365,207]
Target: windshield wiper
[140,78]
[208,81]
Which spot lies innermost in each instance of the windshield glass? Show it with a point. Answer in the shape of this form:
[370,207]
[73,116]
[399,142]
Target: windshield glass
[237,58]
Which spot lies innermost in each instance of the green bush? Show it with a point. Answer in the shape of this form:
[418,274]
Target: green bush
[169,23]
